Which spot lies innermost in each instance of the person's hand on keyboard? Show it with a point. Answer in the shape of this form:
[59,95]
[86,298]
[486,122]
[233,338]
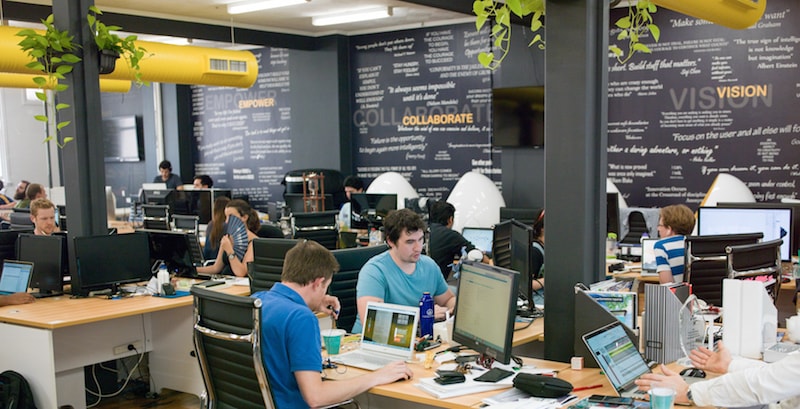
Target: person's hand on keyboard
[395,371]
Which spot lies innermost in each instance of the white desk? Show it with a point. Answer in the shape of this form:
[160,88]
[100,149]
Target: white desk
[50,341]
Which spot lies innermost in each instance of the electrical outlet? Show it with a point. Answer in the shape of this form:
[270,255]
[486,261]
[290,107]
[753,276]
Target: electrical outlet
[121,349]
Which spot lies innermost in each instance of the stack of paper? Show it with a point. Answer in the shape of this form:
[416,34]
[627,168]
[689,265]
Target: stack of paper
[467,387]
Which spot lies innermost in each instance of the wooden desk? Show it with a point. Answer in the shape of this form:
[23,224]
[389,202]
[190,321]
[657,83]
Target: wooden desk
[50,341]
[534,332]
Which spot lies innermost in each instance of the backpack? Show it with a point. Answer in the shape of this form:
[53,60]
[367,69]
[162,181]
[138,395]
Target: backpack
[15,392]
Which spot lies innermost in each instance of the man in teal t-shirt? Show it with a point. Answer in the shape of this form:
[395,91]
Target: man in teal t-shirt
[402,274]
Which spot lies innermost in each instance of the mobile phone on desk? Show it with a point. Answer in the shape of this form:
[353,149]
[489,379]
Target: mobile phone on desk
[610,400]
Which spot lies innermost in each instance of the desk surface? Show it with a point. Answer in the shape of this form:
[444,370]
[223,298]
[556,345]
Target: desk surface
[63,311]
[534,332]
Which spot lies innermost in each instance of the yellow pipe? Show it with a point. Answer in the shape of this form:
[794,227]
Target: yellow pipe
[9,80]
[736,14]
[164,63]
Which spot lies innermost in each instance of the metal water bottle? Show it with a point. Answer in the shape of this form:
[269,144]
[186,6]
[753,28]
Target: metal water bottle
[426,315]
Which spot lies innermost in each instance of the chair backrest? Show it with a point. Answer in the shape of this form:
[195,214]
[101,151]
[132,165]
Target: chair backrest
[705,263]
[186,223]
[318,226]
[270,230]
[636,227]
[227,341]
[501,244]
[267,265]
[20,220]
[344,282]
[156,217]
[757,260]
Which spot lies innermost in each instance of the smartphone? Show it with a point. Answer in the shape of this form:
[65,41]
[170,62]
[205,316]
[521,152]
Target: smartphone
[611,400]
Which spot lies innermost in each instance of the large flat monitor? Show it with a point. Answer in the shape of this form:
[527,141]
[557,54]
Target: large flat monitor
[368,209]
[521,261]
[157,196]
[180,251]
[8,243]
[481,237]
[486,327]
[105,262]
[775,223]
[49,257]
[795,240]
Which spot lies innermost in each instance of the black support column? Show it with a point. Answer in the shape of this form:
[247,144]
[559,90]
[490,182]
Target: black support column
[575,160]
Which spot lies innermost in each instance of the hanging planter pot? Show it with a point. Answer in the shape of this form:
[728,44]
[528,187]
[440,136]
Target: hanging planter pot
[107,61]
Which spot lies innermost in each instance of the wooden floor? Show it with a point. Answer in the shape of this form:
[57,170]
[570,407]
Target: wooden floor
[167,400]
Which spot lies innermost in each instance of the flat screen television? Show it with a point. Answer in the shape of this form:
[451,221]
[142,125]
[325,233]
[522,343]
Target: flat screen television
[486,327]
[122,139]
[518,117]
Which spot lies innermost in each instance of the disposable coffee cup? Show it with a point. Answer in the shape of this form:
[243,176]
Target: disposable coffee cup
[662,397]
[333,340]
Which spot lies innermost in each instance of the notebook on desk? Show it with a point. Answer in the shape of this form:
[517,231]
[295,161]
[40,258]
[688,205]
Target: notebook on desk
[618,358]
[481,237]
[388,336]
[15,277]
[649,257]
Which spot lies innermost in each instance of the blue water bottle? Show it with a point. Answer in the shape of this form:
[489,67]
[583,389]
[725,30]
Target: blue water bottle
[426,315]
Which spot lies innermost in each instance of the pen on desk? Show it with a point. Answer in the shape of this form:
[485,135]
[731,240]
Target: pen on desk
[583,388]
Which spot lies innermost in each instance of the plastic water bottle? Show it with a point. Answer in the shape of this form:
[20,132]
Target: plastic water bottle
[162,277]
[426,315]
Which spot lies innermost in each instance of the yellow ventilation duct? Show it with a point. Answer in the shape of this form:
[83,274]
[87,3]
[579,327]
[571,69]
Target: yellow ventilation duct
[736,14]
[164,63]
[9,80]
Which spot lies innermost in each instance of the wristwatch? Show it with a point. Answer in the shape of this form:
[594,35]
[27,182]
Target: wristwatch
[231,257]
[689,395]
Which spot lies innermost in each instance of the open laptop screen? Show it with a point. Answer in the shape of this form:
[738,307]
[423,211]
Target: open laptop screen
[617,355]
[649,256]
[481,237]
[389,328]
[16,276]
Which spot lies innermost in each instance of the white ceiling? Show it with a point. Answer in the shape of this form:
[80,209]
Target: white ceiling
[292,19]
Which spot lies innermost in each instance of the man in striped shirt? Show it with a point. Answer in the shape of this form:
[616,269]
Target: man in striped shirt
[674,223]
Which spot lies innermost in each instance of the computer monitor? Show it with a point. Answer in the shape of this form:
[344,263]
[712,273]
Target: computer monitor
[368,209]
[774,223]
[105,262]
[157,196]
[8,243]
[590,315]
[521,261]
[49,255]
[481,237]
[795,236]
[486,328]
[612,213]
[180,251]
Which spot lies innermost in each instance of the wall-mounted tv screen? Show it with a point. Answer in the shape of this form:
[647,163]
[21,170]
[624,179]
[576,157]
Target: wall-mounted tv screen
[518,117]
[122,139]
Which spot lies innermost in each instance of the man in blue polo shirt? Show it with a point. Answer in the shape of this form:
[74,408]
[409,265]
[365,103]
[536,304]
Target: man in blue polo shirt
[291,337]
[674,224]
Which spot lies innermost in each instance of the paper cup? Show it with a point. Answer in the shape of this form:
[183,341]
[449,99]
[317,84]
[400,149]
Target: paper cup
[333,340]
[662,397]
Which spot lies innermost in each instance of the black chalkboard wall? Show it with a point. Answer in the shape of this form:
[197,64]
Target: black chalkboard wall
[708,100]
[421,107]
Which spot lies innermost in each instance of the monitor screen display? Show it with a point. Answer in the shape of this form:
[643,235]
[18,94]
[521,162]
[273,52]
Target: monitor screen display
[176,250]
[774,223]
[481,237]
[487,328]
[368,209]
[107,261]
[49,255]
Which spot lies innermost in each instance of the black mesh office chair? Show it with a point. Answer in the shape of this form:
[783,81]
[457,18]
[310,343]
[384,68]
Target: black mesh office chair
[705,264]
[20,220]
[267,265]
[636,227]
[270,230]
[757,260]
[344,282]
[318,226]
[156,217]
[227,338]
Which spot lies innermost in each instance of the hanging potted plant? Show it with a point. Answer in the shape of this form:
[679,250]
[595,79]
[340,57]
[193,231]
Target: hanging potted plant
[54,54]
[111,46]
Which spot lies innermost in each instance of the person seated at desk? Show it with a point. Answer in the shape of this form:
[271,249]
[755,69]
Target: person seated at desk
[227,262]
[32,192]
[290,334]
[446,244]
[43,216]
[746,382]
[202,182]
[5,201]
[352,184]
[537,260]
[674,224]
[215,228]
[172,180]
[401,274]
[16,299]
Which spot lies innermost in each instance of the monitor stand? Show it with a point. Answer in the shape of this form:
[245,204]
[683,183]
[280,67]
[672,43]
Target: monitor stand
[44,294]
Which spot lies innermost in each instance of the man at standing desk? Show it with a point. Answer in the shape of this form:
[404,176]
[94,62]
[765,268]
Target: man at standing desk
[402,274]
[290,332]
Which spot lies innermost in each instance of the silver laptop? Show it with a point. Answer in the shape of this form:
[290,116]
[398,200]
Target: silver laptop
[481,237]
[618,358]
[649,257]
[15,277]
[388,335]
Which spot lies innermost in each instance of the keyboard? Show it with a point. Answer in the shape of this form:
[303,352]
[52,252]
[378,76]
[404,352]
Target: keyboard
[363,360]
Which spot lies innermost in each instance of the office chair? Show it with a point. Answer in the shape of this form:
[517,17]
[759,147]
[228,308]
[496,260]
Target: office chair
[757,260]
[270,230]
[267,265]
[344,282]
[318,226]
[20,220]
[156,217]
[636,227]
[186,224]
[705,264]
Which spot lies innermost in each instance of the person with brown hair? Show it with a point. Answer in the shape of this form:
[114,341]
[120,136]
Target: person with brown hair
[43,216]
[227,262]
[674,224]
[32,192]
[215,228]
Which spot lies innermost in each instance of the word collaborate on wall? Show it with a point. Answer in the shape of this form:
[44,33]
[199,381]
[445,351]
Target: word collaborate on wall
[708,100]
[421,106]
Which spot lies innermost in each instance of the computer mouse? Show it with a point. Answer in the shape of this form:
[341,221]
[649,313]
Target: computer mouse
[693,373]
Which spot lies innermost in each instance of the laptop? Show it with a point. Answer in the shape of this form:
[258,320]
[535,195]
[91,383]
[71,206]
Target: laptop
[618,358]
[15,277]
[388,335]
[649,257]
[481,237]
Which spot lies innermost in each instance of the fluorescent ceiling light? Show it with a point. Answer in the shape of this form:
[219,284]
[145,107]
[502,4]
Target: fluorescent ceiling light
[250,6]
[353,16]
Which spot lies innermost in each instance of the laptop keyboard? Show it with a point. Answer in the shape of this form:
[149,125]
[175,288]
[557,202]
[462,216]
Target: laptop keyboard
[361,359]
